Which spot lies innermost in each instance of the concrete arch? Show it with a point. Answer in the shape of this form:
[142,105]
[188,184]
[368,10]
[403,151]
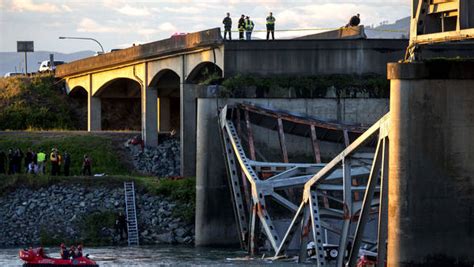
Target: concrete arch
[167,83]
[78,103]
[120,104]
[164,81]
[194,60]
[159,67]
[78,90]
[134,72]
[122,87]
[201,71]
[81,81]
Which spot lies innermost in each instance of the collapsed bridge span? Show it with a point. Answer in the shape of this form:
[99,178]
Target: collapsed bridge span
[289,208]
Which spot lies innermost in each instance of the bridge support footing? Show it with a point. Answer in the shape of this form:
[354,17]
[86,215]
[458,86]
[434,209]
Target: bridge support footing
[431,164]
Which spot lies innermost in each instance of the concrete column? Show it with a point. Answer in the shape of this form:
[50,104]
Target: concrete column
[215,221]
[188,129]
[431,170]
[94,113]
[149,116]
[165,114]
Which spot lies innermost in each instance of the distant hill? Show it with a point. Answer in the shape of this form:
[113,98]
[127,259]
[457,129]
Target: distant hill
[390,31]
[11,60]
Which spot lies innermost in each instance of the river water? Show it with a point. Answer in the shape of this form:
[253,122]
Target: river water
[155,256]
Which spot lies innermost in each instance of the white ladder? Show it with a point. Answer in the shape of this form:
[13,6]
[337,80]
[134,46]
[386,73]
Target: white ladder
[131,212]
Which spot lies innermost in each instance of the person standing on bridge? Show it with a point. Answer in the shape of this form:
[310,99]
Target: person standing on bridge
[227,26]
[241,27]
[248,28]
[354,21]
[271,26]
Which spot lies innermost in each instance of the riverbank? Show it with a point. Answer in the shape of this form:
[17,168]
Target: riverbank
[42,210]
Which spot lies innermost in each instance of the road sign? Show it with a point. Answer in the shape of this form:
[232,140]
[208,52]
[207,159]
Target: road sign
[25,46]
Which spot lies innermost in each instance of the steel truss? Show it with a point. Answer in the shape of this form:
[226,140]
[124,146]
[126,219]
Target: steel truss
[283,204]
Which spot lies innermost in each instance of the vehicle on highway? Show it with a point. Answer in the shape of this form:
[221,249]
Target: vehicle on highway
[11,74]
[47,66]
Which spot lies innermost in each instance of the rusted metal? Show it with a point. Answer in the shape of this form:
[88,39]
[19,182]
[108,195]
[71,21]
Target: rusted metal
[315,143]
[281,135]
[250,135]
[301,120]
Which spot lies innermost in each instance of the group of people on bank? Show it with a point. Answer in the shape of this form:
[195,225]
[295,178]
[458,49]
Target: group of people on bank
[31,162]
[245,24]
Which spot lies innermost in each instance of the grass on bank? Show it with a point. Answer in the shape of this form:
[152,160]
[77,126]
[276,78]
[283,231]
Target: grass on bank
[100,149]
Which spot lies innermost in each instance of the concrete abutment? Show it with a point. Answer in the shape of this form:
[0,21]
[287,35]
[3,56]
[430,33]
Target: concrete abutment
[431,175]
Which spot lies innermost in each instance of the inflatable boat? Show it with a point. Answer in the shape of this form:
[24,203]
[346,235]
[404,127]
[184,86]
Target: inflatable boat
[35,257]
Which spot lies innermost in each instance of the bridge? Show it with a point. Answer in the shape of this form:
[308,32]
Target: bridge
[157,84]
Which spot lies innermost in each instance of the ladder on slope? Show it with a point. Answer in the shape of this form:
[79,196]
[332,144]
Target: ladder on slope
[131,211]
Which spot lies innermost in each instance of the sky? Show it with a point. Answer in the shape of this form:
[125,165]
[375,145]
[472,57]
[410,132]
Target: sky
[119,24]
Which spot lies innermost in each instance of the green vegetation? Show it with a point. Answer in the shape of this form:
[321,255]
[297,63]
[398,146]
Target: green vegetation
[50,238]
[184,192]
[35,103]
[101,149]
[340,86]
[92,225]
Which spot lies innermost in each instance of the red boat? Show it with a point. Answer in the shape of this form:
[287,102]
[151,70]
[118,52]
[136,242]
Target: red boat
[35,257]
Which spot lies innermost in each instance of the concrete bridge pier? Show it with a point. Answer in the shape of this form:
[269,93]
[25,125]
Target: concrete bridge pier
[431,174]
[188,129]
[149,116]
[215,221]
[94,116]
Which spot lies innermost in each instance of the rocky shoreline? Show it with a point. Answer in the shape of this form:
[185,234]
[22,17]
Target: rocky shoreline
[59,212]
[162,161]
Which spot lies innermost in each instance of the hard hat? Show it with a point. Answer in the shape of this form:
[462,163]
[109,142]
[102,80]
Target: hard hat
[310,245]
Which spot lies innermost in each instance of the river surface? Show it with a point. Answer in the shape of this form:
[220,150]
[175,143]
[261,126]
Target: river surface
[155,256]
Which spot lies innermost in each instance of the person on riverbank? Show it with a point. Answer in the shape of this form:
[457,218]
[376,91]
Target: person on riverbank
[18,158]
[121,225]
[28,159]
[41,159]
[86,166]
[3,162]
[67,163]
[11,161]
[53,158]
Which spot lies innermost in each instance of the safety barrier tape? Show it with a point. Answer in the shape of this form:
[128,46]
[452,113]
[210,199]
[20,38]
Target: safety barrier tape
[326,29]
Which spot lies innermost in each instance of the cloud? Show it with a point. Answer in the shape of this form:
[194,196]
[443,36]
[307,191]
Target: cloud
[90,25]
[167,26]
[183,10]
[30,6]
[66,8]
[133,11]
